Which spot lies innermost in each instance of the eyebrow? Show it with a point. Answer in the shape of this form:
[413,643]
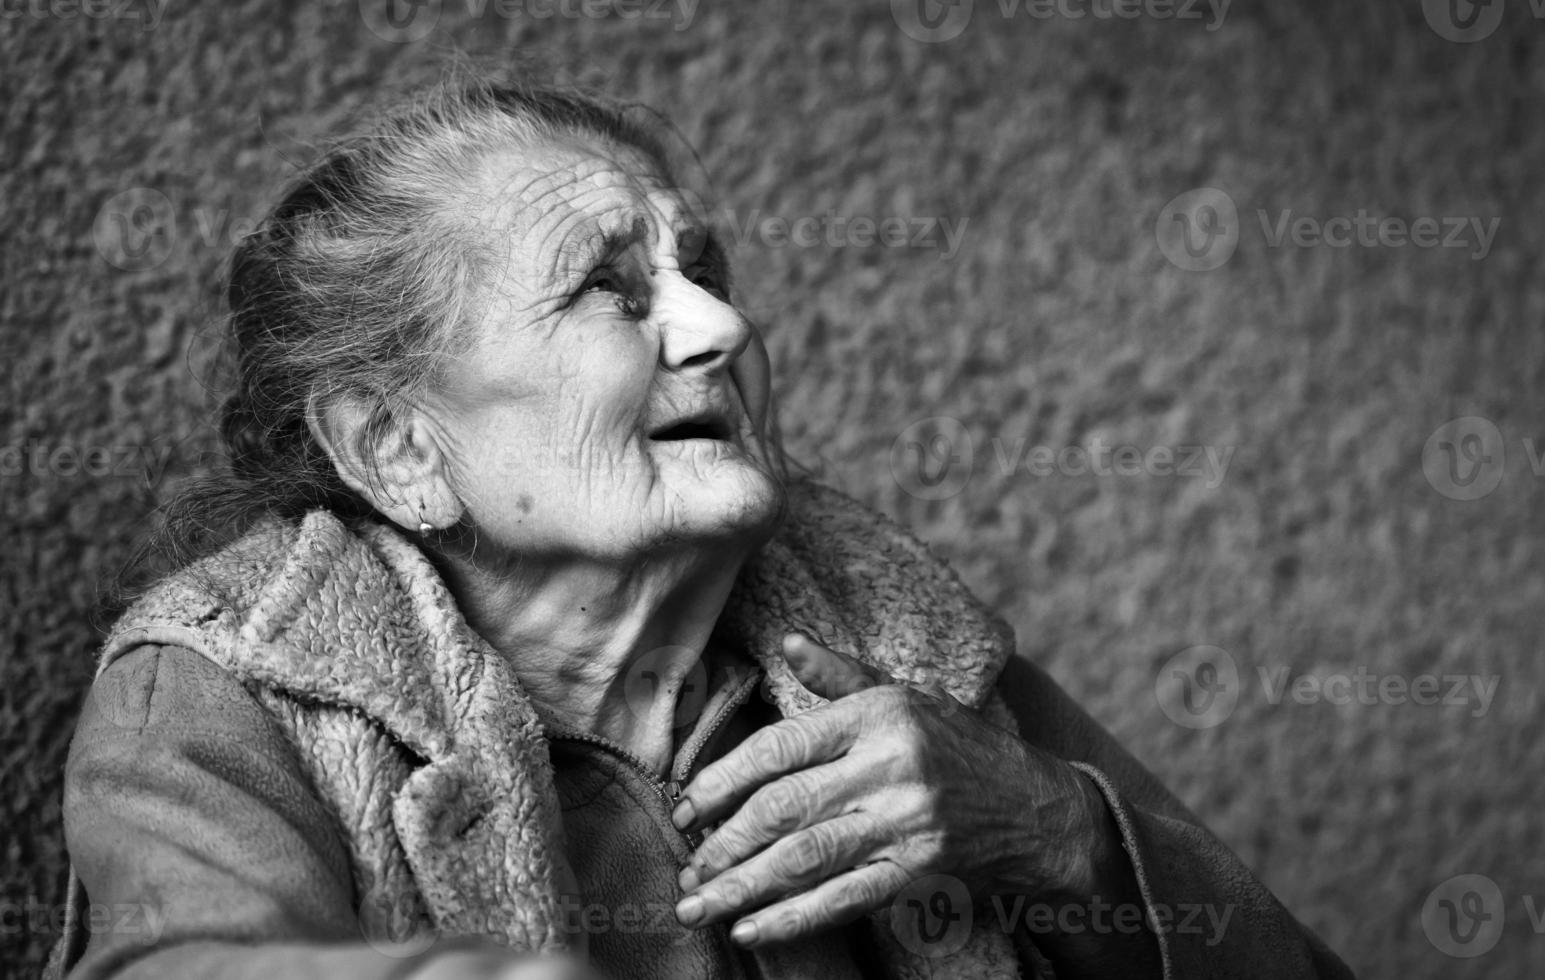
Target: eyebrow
[593,247]
[601,245]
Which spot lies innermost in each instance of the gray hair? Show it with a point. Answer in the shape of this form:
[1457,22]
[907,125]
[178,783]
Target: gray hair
[359,279]
[356,284]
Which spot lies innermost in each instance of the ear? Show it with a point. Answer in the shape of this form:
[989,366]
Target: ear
[398,467]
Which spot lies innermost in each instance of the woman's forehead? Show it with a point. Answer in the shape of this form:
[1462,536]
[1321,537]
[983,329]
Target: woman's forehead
[574,182]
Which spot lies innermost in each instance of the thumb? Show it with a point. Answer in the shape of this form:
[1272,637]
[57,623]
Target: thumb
[826,672]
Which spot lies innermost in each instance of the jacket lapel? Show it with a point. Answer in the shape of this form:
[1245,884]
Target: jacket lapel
[361,619]
[858,583]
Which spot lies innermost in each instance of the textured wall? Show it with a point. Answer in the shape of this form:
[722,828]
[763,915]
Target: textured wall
[1051,146]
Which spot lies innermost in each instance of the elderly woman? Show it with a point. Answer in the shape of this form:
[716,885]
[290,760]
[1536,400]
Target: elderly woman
[525,656]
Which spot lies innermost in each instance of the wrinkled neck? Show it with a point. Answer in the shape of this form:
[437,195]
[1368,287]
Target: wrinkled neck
[602,650]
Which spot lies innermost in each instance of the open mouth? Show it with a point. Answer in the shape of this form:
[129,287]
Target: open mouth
[696,427]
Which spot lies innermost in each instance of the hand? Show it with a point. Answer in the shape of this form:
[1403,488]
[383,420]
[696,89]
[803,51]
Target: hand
[847,804]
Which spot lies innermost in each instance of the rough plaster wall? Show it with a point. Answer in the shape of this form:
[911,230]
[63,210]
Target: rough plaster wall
[1058,142]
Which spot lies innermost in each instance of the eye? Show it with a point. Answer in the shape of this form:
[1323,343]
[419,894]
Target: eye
[608,280]
[710,277]
[604,280]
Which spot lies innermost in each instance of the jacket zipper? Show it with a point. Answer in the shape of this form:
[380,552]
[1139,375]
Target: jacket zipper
[681,771]
[668,789]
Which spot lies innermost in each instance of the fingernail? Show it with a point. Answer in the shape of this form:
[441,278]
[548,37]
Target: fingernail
[744,932]
[690,910]
[684,814]
[688,879]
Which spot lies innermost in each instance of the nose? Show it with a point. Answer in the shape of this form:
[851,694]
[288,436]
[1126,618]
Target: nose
[697,329]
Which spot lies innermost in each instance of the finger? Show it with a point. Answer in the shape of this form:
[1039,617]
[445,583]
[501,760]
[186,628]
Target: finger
[780,808]
[831,903]
[797,862]
[791,745]
[826,672]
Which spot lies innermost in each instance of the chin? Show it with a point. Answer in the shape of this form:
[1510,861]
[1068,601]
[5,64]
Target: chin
[745,506]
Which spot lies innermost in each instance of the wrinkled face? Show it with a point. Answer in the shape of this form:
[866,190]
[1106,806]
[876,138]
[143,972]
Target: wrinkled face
[612,400]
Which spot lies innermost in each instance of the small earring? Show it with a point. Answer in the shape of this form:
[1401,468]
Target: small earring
[424,527]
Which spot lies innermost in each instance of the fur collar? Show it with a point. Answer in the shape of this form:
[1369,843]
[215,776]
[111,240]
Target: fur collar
[357,617]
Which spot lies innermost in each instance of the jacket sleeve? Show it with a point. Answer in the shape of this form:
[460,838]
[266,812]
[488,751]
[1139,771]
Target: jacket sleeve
[198,845]
[1213,918]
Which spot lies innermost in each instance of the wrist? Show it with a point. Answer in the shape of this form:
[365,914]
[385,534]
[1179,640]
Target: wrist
[1104,869]
[1094,865]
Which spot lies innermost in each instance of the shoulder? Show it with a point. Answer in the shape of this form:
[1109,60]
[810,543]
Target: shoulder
[253,585]
[164,727]
[163,688]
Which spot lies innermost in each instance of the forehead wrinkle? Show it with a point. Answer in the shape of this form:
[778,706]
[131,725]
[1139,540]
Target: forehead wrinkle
[620,206]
